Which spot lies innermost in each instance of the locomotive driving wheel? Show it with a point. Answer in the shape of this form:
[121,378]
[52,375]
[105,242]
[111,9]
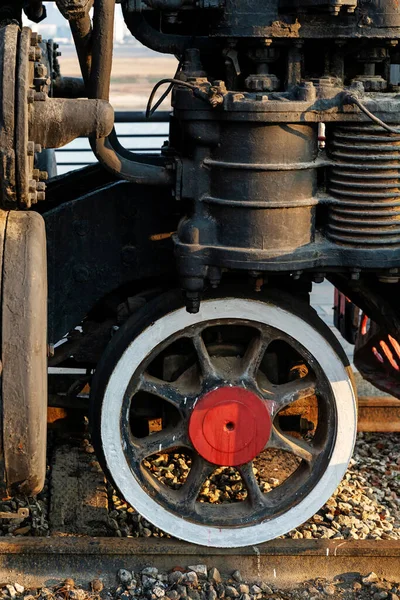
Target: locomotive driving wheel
[210,388]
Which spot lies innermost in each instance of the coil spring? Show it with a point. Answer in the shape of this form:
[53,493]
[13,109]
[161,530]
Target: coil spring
[365,186]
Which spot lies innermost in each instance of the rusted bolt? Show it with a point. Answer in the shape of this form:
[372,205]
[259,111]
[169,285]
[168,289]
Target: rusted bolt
[32,185]
[40,176]
[318,277]
[33,197]
[35,54]
[30,97]
[36,38]
[30,149]
[40,97]
[41,187]
[38,148]
[41,196]
[40,70]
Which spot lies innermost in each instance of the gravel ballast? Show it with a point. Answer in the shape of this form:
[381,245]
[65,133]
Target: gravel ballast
[196,582]
[366,505]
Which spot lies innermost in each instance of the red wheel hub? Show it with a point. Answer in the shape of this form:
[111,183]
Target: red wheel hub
[230,426]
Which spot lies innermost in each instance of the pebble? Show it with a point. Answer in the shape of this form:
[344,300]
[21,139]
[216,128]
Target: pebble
[124,576]
[255,589]
[78,594]
[175,577]
[231,591]
[371,578]
[150,571]
[190,578]
[212,595]
[12,591]
[214,575]
[237,576]
[329,590]
[200,570]
[97,585]
[19,588]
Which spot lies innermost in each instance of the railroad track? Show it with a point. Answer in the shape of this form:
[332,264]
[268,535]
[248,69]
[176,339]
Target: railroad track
[35,562]
[40,561]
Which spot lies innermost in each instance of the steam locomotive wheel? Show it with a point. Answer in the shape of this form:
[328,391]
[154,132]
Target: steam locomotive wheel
[215,383]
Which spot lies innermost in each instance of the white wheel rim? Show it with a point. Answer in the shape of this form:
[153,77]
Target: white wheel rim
[229,308]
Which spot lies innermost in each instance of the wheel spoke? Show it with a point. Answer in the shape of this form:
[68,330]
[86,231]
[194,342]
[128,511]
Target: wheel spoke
[295,446]
[199,473]
[255,496]
[162,441]
[206,366]
[254,354]
[163,389]
[287,393]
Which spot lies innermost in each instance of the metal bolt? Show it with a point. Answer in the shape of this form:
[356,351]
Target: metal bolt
[36,38]
[40,70]
[41,96]
[35,54]
[41,196]
[355,276]
[40,175]
[32,185]
[30,149]
[30,97]
[33,198]
[38,148]
[41,186]
[318,277]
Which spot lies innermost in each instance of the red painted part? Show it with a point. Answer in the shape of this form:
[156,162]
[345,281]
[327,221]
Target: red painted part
[230,426]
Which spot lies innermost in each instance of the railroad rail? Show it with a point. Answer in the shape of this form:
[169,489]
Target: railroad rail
[35,562]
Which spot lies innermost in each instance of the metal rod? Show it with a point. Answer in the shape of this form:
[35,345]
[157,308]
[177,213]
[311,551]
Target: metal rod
[122,163]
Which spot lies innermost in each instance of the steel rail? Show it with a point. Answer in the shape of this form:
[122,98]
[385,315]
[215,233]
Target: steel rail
[34,562]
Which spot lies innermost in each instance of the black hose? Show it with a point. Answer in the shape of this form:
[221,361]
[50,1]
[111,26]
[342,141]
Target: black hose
[351,99]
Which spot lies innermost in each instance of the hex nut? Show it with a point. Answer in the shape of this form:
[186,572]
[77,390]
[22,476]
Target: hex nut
[263,83]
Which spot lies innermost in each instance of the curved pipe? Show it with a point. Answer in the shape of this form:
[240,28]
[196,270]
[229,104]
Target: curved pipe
[81,30]
[166,43]
[126,165]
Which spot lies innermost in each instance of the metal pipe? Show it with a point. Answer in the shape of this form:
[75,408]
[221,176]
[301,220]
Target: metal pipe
[109,152]
[166,43]
[81,30]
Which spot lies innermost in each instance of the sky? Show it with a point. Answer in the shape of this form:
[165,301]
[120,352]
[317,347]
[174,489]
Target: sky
[55,17]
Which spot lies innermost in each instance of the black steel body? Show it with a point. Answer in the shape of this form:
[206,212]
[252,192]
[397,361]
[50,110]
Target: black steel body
[282,168]
[99,240]
[248,174]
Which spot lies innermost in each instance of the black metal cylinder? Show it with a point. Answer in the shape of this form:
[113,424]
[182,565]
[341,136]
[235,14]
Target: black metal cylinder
[263,184]
[365,186]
